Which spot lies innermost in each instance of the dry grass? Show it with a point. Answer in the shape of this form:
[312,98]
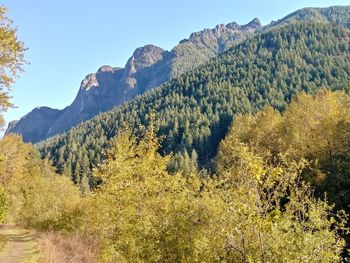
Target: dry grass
[3,241]
[57,248]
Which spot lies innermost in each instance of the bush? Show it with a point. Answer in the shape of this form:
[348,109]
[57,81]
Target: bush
[3,204]
[53,203]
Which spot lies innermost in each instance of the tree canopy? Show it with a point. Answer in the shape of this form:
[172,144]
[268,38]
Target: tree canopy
[249,211]
[315,129]
[11,57]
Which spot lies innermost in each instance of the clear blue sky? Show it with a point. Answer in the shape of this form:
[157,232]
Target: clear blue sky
[69,39]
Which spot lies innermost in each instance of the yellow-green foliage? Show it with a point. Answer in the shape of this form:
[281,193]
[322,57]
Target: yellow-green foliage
[19,164]
[270,215]
[315,128]
[12,49]
[36,196]
[52,203]
[3,204]
[250,211]
[11,61]
[256,208]
[142,213]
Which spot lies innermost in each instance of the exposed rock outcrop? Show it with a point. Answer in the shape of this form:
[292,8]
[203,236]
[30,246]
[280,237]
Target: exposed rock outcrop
[148,67]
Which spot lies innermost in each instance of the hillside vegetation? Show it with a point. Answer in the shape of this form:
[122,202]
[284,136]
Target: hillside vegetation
[194,111]
[257,207]
[244,159]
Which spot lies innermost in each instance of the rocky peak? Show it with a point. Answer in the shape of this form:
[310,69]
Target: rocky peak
[219,30]
[105,68]
[254,24]
[233,26]
[143,57]
[223,29]
[89,82]
[11,125]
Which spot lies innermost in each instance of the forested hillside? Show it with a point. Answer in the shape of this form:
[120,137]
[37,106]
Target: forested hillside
[148,67]
[142,213]
[315,130]
[193,112]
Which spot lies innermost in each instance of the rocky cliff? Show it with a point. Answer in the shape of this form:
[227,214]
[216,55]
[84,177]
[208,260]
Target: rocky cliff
[148,67]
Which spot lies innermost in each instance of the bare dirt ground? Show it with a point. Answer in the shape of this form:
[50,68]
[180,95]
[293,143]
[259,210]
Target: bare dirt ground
[20,247]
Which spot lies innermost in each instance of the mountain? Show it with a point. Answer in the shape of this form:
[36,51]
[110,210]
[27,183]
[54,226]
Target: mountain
[43,117]
[148,67]
[193,111]
[334,14]
[151,66]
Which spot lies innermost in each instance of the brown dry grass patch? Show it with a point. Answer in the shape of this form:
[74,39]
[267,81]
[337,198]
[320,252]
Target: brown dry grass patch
[57,248]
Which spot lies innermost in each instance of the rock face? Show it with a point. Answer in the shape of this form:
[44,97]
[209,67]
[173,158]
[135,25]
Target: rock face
[43,117]
[148,67]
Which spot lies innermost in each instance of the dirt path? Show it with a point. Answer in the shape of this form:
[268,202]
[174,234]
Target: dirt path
[20,247]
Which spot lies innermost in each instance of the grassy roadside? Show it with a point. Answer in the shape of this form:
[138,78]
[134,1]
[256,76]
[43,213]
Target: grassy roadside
[57,248]
[20,246]
[3,242]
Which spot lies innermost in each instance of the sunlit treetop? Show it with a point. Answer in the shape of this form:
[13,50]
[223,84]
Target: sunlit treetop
[11,57]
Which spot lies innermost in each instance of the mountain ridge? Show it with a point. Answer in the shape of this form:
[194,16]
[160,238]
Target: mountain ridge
[332,14]
[148,67]
[194,110]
